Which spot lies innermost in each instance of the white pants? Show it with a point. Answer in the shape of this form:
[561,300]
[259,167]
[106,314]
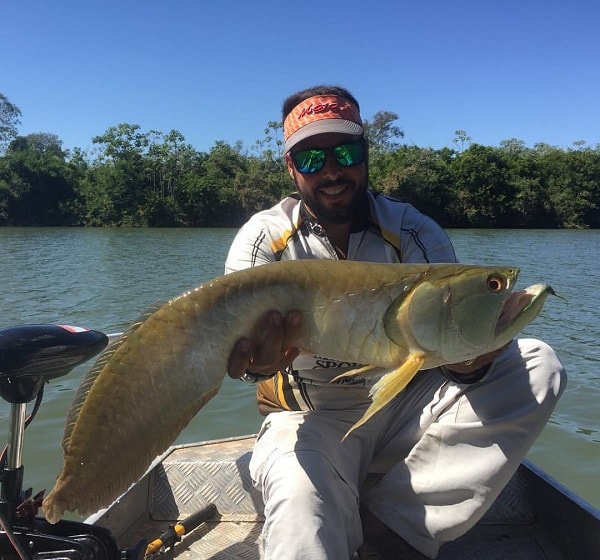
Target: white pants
[446,449]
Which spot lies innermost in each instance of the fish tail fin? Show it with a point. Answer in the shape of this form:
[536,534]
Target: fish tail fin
[389,386]
[53,508]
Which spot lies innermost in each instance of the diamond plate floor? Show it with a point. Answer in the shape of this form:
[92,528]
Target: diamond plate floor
[188,478]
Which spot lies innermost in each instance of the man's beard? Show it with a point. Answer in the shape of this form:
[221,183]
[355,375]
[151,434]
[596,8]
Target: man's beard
[339,214]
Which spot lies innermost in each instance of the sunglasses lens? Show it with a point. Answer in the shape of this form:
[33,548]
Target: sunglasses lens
[309,161]
[348,155]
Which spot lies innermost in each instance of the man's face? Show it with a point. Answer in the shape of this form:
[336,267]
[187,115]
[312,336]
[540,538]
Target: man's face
[333,192]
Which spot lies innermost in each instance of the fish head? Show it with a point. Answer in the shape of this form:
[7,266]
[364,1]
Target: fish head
[520,309]
[458,312]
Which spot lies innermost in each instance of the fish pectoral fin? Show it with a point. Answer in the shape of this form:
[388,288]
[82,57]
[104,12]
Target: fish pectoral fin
[353,372]
[389,386]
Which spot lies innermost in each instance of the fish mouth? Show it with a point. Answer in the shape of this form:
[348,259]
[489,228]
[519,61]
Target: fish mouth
[521,305]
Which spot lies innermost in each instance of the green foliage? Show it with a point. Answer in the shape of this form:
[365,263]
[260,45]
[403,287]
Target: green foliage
[383,135]
[37,184]
[416,175]
[137,178]
[10,118]
[483,187]
[482,191]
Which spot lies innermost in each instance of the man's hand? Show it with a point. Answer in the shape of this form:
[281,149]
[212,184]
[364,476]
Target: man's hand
[269,348]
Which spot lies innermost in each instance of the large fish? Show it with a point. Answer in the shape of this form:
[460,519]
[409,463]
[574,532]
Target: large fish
[145,388]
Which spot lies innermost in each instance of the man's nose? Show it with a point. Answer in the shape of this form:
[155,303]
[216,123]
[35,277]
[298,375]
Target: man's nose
[331,168]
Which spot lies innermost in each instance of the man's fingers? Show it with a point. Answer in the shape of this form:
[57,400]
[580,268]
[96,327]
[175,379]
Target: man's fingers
[273,348]
[239,359]
[292,325]
[267,353]
[290,355]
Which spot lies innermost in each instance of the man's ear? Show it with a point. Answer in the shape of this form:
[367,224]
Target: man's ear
[290,165]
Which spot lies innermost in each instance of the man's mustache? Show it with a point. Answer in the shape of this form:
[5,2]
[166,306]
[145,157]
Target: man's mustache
[339,182]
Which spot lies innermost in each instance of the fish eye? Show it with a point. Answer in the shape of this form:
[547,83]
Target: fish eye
[496,283]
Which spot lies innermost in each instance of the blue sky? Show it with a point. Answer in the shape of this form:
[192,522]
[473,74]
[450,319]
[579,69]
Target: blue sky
[219,69]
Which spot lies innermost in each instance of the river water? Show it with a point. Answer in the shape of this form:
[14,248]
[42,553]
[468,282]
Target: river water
[105,278]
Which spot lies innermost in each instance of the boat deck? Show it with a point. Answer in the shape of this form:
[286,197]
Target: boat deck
[189,477]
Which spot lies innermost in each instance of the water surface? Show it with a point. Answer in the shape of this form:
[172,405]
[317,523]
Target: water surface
[105,278]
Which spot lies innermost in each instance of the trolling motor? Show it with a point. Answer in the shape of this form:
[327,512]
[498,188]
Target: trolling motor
[31,355]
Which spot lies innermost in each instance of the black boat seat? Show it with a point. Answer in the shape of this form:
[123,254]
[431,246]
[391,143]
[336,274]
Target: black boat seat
[33,354]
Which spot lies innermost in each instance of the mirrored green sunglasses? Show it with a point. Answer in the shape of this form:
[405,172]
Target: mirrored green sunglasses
[313,160]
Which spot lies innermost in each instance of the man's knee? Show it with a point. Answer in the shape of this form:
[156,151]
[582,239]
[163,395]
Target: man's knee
[547,374]
[305,475]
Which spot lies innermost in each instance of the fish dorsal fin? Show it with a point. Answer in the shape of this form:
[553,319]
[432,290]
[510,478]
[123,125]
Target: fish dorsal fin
[389,386]
[90,377]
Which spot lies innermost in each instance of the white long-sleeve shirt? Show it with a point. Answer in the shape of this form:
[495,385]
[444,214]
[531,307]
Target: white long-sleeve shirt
[390,232]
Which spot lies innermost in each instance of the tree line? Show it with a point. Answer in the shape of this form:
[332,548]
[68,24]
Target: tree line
[137,178]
